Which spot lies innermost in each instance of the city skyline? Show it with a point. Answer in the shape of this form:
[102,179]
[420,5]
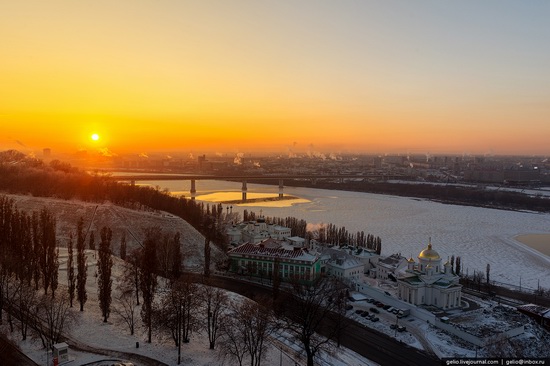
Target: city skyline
[372,77]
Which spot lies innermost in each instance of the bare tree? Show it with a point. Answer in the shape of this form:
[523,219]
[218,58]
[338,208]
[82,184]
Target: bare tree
[49,263]
[148,277]
[186,296]
[71,279]
[478,279]
[104,267]
[257,322]
[169,256]
[123,246]
[82,267]
[209,228]
[91,242]
[52,317]
[307,308]
[27,306]
[207,256]
[246,332]
[177,312]
[215,302]
[231,348]
[126,308]
[11,291]
[130,276]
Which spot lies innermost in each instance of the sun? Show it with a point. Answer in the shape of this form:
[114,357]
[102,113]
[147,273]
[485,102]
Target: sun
[95,137]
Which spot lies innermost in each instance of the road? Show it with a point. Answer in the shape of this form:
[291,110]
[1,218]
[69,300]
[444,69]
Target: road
[367,342]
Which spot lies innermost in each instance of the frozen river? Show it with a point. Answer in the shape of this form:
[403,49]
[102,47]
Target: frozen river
[478,235]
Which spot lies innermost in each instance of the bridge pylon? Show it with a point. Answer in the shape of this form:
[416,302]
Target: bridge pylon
[244,189]
[193,190]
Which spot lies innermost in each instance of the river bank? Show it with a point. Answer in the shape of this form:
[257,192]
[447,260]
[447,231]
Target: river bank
[539,242]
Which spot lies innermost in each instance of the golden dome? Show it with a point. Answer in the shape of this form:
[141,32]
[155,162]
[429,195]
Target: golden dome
[429,254]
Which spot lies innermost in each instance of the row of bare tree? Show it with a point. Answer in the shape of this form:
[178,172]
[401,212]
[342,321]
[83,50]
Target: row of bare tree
[240,329]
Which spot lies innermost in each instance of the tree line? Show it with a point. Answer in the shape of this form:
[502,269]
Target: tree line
[470,196]
[19,174]
[328,234]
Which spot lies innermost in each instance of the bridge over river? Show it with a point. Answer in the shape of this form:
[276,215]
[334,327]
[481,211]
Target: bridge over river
[133,178]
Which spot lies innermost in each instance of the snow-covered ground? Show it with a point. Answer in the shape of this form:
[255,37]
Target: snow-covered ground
[120,220]
[114,335]
[532,343]
[89,330]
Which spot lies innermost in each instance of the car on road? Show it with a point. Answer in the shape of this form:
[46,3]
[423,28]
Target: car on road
[375,319]
[374,310]
[349,307]
[358,311]
[401,328]
[403,313]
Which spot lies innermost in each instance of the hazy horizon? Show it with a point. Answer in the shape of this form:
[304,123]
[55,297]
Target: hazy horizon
[376,77]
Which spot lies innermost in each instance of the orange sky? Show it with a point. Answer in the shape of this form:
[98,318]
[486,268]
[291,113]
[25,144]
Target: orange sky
[386,77]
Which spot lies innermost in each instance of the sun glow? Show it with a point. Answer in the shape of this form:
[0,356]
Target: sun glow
[95,137]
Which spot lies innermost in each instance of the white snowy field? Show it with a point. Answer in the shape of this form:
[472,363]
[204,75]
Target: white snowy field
[89,330]
[406,221]
[480,236]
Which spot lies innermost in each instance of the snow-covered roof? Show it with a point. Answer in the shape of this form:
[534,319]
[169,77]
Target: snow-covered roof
[392,260]
[364,253]
[297,239]
[271,248]
[345,263]
[535,309]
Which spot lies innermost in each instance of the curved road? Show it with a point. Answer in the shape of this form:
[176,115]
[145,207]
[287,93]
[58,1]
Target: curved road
[367,342]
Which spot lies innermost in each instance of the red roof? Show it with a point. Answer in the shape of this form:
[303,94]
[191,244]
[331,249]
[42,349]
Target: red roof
[266,248]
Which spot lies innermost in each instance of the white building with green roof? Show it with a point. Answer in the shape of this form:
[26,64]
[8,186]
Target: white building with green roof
[428,282]
[294,261]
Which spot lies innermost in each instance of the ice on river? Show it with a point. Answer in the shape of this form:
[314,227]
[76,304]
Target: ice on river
[478,235]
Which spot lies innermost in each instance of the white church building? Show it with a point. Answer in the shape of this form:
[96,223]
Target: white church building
[429,282]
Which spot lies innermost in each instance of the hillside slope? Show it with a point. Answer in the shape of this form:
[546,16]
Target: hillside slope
[120,220]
